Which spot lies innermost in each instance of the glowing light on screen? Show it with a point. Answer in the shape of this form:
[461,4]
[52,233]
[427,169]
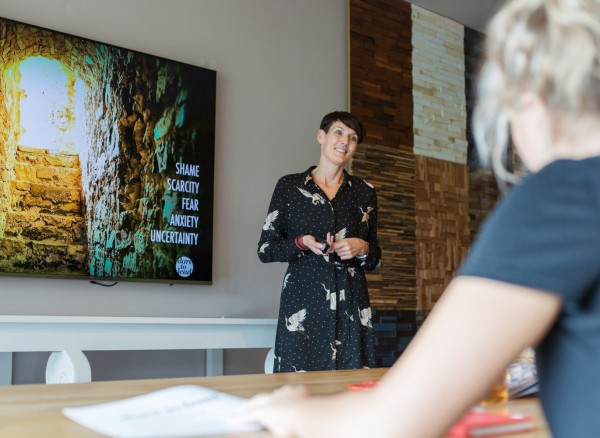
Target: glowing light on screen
[51,99]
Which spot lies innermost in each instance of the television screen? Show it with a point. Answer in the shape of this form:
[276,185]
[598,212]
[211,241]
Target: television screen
[106,161]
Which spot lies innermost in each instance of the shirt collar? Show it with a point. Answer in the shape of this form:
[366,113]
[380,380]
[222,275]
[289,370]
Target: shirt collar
[308,176]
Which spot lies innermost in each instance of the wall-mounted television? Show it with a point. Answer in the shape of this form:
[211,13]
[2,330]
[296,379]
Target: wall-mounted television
[106,161]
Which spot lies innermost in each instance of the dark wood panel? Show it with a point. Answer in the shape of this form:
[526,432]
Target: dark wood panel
[381,70]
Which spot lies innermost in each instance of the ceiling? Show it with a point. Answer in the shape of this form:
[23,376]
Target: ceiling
[471,13]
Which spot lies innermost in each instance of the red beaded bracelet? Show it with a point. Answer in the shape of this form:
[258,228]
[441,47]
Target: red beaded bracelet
[299,243]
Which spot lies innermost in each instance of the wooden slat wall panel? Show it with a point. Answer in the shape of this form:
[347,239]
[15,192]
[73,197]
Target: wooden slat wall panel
[428,208]
[483,195]
[442,220]
[381,70]
[381,94]
[392,173]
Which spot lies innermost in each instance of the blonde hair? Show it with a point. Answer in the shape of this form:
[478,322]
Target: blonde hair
[548,47]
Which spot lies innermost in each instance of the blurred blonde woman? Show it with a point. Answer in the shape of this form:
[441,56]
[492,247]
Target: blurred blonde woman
[532,278]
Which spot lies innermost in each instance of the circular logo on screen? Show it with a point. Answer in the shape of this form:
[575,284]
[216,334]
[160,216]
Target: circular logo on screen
[184,267]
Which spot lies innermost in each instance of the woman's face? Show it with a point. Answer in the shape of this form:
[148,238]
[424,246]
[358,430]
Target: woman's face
[338,144]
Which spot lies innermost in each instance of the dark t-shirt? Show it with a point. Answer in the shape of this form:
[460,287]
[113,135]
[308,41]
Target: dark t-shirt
[545,234]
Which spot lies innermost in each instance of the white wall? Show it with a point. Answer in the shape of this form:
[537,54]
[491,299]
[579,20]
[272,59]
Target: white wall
[281,65]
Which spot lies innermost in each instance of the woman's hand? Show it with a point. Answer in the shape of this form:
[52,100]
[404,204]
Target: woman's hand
[275,411]
[317,247]
[290,412]
[347,249]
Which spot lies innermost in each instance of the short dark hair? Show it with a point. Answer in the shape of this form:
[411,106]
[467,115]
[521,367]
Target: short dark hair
[348,119]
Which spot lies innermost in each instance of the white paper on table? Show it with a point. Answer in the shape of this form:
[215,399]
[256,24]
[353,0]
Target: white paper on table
[177,411]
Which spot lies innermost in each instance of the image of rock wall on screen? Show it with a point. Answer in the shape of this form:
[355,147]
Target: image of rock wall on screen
[106,160]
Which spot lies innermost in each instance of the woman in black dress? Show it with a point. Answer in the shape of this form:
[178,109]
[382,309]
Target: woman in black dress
[323,222]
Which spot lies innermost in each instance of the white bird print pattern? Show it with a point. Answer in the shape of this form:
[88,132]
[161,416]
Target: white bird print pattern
[307,179]
[314,197]
[349,315]
[263,247]
[330,296]
[285,281]
[342,294]
[352,271]
[340,234]
[328,292]
[333,302]
[365,217]
[365,317]
[294,322]
[334,350]
[271,217]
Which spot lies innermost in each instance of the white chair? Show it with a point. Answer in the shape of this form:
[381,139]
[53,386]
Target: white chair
[269,361]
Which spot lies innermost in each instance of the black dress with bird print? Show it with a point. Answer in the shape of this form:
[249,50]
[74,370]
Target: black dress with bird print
[324,314]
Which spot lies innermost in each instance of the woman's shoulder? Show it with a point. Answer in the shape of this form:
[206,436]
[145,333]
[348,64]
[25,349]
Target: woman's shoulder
[296,178]
[355,181]
[558,167]
[566,175]
[559,187]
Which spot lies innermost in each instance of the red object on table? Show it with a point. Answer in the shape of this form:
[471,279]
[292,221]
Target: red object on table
[485,423]
[367,384]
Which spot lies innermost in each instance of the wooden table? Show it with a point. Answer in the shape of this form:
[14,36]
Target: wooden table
[28,411]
